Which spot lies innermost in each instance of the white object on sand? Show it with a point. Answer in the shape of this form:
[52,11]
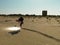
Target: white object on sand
[13,28]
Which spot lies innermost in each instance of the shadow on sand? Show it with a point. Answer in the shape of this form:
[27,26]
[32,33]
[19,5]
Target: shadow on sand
[14,32]
[42,34]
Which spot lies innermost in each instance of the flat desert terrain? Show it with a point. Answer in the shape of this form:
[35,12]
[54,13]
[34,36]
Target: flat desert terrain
[35,31]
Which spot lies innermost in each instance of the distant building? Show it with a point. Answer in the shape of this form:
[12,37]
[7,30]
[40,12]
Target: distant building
[44,13]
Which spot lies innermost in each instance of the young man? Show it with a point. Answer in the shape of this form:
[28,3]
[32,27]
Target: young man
[20,20]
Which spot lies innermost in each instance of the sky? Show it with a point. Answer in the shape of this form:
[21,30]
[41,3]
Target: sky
[29,7]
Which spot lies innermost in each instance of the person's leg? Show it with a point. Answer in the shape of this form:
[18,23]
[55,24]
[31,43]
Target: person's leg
[21,24]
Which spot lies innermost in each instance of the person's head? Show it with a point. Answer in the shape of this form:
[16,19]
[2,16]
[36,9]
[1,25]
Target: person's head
[21,17]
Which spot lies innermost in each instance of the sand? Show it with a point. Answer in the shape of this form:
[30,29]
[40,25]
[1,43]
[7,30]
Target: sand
[35,31]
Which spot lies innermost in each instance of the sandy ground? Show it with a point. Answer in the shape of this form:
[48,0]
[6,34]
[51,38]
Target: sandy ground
[35,31]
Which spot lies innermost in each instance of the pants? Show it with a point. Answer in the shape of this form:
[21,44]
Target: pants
[21,24]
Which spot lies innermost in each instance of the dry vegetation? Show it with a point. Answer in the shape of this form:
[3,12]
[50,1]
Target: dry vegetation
[35,31]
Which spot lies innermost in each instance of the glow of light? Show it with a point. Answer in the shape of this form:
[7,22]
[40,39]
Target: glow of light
[13,28]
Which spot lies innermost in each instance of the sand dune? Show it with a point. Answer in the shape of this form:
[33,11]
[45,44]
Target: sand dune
[35,31]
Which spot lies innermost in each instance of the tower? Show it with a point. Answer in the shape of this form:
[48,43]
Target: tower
[44,13]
